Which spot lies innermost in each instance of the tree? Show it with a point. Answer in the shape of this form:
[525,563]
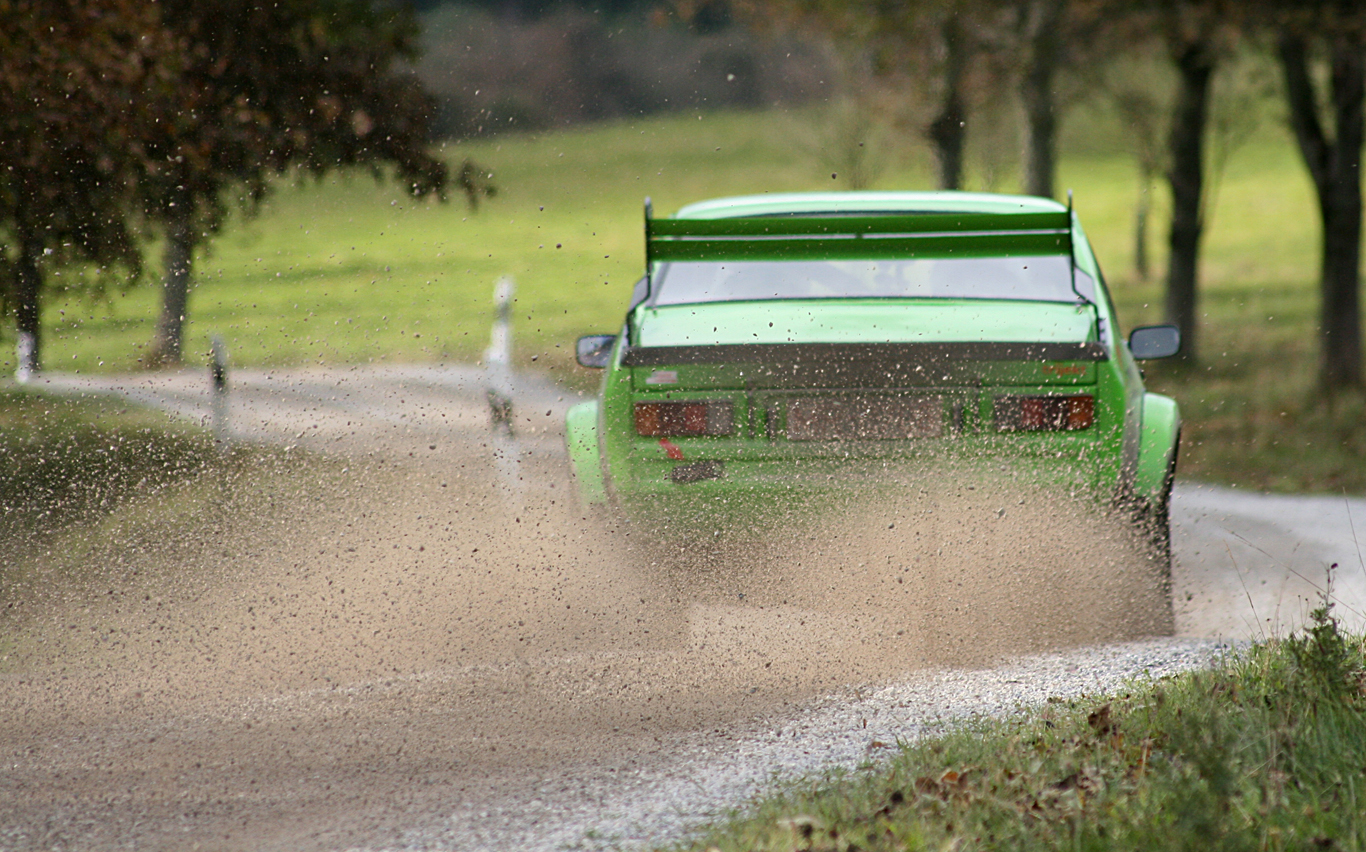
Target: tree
[931,45]
[950,50]
[1041,39]
[947,132]
[1189,97]
[1195,34]
[1332,153]
[1194,55]
[269,87]
[1131,84]
[75,76]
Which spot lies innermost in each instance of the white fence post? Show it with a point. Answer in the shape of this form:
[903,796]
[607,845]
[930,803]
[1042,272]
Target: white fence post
[507,455]
[498,359]
[218,379]
[24,367]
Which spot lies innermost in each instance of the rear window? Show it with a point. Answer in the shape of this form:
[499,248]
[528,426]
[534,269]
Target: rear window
[1044,278]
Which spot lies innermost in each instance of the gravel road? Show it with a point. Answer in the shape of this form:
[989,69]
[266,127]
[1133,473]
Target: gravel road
[391,664]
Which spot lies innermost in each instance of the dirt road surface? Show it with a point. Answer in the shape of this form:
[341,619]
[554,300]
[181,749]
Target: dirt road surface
[412,638]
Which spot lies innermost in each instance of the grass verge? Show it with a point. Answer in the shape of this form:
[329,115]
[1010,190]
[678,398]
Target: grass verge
[77,475]
[65,463]
[67,460]
[1262,752]
[100,501]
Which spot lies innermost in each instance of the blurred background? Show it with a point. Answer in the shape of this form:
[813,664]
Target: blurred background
[342,181]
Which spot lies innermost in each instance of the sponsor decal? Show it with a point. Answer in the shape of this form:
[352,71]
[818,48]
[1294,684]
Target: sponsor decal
[662,377]
[1063,369]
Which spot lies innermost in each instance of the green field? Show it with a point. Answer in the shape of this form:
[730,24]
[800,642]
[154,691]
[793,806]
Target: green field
[347,270]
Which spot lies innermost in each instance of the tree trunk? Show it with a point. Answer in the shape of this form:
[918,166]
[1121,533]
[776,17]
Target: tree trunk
[1195,67]
[1042,25]
[1340,312]
[948,131]
[175,291]
[27,309]
[1335,166]
[1141,227]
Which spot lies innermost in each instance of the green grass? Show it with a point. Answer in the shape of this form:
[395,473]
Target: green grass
[1253,414]
[349,271]
[1262,752]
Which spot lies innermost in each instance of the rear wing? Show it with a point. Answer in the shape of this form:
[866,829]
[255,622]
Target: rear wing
[857,237]
[878,236]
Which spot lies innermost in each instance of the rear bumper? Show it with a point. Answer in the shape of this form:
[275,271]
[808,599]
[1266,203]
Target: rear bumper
[739,487]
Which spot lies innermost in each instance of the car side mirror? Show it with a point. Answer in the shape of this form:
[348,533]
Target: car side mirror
[595,350]
[1155,341]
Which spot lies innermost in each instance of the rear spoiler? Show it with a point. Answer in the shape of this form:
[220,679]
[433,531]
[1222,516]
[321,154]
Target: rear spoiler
[864,236]
[856,237]
[887,356]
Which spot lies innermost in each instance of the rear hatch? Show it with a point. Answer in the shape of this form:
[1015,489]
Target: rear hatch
[737,387]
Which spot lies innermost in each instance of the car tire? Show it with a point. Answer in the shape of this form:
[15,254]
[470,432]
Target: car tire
[1155,530]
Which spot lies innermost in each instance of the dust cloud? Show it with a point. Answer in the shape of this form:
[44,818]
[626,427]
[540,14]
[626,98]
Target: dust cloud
[929,570]
[301,652]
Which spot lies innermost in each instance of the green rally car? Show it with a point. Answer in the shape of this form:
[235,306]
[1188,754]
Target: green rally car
[783,346]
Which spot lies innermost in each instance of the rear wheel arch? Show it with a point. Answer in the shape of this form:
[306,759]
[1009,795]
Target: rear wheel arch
[1158,443]
[581,440]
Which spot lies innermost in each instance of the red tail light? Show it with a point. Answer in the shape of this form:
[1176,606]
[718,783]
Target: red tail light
[1044,413]
[673,419]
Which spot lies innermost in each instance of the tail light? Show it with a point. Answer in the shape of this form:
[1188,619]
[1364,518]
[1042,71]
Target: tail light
[672,419]
[1044,413]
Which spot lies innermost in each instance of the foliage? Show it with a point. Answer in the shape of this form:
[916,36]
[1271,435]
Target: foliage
[1325,659]
[951,62]
[540,8]
[112,108]
[71,120]
[267,87]
[305,84]
[1264,751]
[77,83]
[1330,131]
[849,142]
[935,52]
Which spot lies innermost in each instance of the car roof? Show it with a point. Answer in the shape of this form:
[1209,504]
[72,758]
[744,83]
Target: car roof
[865,203]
